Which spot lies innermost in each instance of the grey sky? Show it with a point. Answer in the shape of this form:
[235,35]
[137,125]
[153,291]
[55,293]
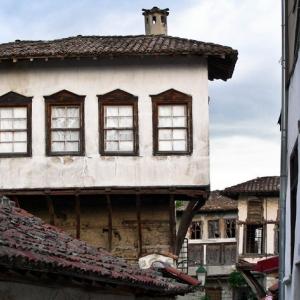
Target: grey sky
[243,111]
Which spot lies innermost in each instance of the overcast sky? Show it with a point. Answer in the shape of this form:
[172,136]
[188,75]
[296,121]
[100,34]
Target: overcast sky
[245,138]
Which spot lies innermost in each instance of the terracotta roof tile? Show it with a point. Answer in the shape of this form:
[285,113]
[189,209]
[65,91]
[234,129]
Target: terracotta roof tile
[261,185]
[221,59]
[216,202]
[27,243]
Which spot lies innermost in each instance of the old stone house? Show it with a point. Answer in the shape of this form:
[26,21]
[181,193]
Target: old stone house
[257,223]
[100,135]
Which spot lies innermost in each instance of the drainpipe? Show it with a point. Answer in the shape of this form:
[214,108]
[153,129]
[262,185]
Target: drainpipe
[283,159]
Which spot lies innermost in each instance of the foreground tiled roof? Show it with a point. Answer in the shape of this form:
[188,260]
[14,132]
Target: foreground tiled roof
[26,243]
[221,59]
[259,185]
[216,202]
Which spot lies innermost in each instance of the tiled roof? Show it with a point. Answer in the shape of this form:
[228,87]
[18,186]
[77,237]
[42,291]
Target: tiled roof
[259,185]
[216,202]
[26,243]
[221,59]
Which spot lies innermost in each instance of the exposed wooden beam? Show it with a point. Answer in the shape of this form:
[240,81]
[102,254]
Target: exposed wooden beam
[109,209]
[77,211]
[50,209]
[139,224]
[186,219]
[172,223]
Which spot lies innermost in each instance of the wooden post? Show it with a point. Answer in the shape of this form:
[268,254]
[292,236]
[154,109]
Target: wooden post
[172,223]
[109,208]
[50,209]
[77,211]
[139,224]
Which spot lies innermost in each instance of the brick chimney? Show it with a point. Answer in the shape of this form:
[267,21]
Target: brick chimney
[156,21]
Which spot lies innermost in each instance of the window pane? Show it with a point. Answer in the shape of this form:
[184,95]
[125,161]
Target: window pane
[6,137]
[179,134]
[6,124]
[125,110]
[112,135]
[125,122]
[5,147]
[165,122]
[126,146]
[111,146]
[179,146]
[179,110]
[58,112]
[111,111]
[179,122]
[72,135]
[20,124]
[20,112]
[57,146]
[20,136]
[165,146]
[20,147]
[58,136]
[72,146]
[73,123]
[58,123]
[73,112]
[165,110]
[125,135]
[111,122]
[6,112]
[164,134]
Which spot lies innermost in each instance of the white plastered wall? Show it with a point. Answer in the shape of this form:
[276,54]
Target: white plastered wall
[292,286]
[92,170]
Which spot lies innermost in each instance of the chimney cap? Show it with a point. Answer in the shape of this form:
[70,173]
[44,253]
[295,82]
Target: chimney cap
[155,9]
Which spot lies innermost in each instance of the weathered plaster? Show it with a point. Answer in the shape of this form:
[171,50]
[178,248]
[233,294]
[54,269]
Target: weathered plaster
[91,79]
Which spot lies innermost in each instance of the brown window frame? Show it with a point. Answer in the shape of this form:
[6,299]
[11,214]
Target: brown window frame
[118,97]
[232,227]
[247,239]
[172,97]
[208,228]
[12,99]
[64,98]
[195,231]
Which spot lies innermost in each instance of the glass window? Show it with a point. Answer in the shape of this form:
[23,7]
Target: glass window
[213,229]
[172,123]
[65,129]
[196,230]
[118,128]
[13,130]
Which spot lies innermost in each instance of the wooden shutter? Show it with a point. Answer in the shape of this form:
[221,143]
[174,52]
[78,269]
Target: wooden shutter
[230,254]
[213,254]
[255,210]
[195,254]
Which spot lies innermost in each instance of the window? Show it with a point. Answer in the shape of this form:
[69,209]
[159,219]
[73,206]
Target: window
[118,115]
[172,123]
[15,125]
[230,226]
[65,124]
[254,238]
[213,229]
[294,168]
[196,230]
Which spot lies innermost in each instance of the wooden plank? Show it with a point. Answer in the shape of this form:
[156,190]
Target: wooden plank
[172,223]
[109,209]
[77,211]
[186,219]
[138,215]
[50,209]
